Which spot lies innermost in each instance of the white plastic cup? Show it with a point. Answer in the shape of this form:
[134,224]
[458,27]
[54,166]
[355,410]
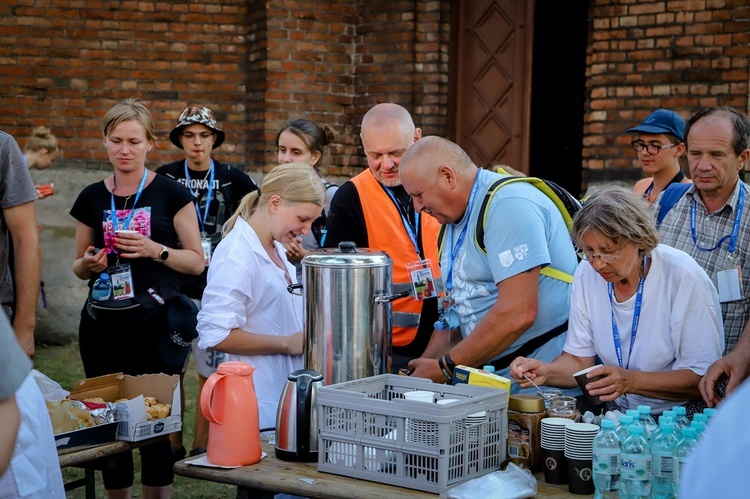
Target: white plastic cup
[420,396]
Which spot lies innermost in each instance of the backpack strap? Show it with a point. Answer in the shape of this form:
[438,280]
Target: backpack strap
[669,198]
[549,192]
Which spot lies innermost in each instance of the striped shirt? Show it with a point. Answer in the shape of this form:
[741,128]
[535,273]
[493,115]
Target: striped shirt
[710,228]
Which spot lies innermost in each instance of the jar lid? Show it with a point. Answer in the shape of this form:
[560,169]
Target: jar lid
[347,255]
[526,403]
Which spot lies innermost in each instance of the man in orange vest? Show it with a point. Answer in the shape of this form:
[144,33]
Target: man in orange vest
[374,211]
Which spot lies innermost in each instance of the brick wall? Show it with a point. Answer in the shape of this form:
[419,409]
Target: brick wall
[683,55]
[63,65]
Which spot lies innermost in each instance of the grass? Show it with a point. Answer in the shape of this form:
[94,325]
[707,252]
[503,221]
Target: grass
[63,364]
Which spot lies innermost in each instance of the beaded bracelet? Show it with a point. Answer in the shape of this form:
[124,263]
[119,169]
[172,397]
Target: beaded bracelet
[445,371]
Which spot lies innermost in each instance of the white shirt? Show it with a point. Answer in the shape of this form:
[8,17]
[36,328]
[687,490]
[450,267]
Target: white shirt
[34,469]
[680,323]
[246,290]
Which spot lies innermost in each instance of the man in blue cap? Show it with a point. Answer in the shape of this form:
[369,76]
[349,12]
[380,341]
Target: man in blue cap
[659,145]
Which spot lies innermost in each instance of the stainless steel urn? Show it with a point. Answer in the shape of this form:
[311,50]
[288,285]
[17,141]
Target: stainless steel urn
[347,301]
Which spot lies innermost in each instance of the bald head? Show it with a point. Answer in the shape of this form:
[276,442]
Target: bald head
[439,175]
[388,115]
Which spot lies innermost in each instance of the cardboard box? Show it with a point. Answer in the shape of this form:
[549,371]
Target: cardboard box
[480,377]
[131,414]
[87,437]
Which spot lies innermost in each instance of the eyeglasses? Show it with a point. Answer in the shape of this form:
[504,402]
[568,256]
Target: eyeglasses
[190,135]
[653,149]
[604,257]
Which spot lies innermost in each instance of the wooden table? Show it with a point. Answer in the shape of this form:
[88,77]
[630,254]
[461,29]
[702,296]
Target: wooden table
[96,457]
[303,479]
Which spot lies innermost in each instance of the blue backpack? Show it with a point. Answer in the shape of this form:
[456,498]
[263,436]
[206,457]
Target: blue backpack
[669,198]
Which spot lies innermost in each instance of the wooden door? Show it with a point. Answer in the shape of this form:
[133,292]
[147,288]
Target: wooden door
[491,80]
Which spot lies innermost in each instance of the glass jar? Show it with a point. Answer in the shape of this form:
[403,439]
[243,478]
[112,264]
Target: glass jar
[564,407]
[525,413]
[549,394]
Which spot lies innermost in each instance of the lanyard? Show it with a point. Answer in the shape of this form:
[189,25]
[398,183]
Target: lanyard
[411,231]
[636,316]
[209,194]
[735,229]
[461,236]
[113,212]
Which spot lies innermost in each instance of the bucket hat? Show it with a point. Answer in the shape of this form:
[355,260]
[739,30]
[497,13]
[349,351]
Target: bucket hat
[180,320]
[196,115]
[662,121]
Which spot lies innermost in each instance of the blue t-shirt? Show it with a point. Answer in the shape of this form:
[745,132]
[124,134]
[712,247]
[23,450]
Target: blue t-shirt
[523,229]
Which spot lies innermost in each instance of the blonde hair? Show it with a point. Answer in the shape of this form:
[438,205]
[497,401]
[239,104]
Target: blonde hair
[41,138]
[295,183]
[129,110]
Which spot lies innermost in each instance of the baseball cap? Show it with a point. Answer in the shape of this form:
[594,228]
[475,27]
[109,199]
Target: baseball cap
[180,320]
[196,115]
[662,121]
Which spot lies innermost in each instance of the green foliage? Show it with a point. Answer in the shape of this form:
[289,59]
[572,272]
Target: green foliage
[63,364]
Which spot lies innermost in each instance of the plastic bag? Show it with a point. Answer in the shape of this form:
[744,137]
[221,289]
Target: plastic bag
[512,483]
[51,389]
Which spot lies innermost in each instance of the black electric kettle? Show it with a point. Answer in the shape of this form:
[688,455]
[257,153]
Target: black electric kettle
[297,417]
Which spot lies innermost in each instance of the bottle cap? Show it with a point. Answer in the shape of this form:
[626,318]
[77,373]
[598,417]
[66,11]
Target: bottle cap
[526,403]
[688,432]
[104,276]
[636,430]
[700,417]
[666,426]
[489,368]
[626,419]
[607,423]
[644,409]
[679,410]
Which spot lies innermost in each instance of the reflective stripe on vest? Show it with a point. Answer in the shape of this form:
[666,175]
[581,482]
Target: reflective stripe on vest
[385,232]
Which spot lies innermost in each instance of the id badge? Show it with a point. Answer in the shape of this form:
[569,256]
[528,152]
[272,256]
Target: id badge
[206,243]
[122,282]
[422,280]
[729,279]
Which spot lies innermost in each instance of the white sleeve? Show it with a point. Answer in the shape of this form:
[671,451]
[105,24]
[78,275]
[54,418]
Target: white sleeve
[224,303]
[580,338]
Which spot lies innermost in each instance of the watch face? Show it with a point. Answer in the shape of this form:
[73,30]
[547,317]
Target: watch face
[164,255]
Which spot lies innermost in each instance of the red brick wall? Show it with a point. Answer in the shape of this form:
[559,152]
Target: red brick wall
[64,65]
[256,63]
[679,54]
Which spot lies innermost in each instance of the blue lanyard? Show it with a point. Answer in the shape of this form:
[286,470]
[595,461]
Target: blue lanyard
[461,236]
[113,212]
[735,229]
[636,316]
[209,194]
[411,231]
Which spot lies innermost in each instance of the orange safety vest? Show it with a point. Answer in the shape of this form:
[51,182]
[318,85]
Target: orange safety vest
[386,232]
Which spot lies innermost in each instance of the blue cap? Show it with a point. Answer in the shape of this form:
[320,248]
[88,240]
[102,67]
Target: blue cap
[662,121]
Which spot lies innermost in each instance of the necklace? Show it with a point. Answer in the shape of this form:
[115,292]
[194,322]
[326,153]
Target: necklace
[125,205]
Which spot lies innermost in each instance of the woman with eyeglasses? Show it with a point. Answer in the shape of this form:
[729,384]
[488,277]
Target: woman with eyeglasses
[648,312]
[217,189]
[250,309]
[659,145]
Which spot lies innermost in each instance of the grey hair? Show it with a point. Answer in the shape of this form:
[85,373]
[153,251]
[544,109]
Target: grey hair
[620,215]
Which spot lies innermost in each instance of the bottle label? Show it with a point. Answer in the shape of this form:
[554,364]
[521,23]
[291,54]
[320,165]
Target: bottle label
[635,467]
[663,464]
[678,468]
[606,461]
[518,440]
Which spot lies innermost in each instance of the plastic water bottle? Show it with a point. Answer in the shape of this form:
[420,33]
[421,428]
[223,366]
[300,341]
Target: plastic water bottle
[662,455]
[699,426]
[635,465]
[700,417]
[681,453]
[681,421]
[633,413]
[644,416]
[606,462]
[666,417]
[622,428]
[102,289]
[710,412]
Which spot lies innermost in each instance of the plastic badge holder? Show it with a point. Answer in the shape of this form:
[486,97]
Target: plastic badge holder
[368,430]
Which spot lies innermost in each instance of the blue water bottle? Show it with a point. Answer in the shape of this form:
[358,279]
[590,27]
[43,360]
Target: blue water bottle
[102,289]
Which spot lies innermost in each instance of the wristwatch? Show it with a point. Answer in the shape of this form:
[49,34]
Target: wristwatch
[163,255]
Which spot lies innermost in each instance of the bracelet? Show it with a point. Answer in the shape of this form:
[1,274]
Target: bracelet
[445,371]
[449,362]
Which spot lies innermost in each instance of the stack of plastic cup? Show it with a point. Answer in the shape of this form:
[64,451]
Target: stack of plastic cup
[579,449]
[553,450]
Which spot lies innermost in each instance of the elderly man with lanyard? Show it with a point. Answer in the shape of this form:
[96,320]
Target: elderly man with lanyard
[501,303]
[711,223]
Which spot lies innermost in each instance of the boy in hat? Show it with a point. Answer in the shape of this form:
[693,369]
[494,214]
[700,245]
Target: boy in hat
[218,189]
[659,145]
